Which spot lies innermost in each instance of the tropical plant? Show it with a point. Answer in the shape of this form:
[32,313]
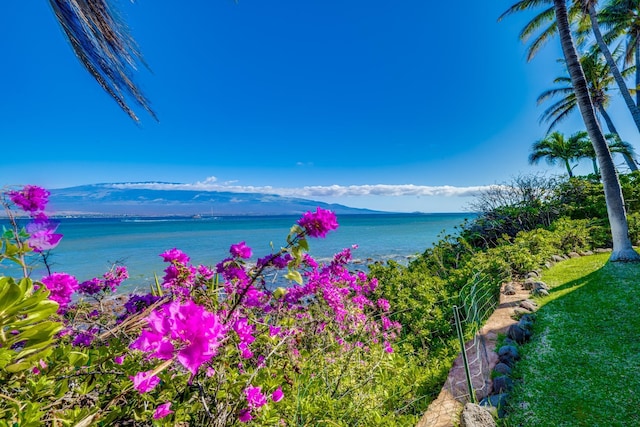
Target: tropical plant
[622,19]
[556,148]
[599,80]
[616,145]
[583,14]
[105,48]
[622,249]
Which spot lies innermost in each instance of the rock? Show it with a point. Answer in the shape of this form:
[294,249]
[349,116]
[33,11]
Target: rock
[602,250]
[528,305]
[509,341]
[532,284]
[586,253]
[519,335]
[476,416]
[549,264]
[498,401]
[509,289]
[573,255]
[557,258]
[502,369]
[502,384]
[508,355]
[540,292]
[532,275]
[517,312]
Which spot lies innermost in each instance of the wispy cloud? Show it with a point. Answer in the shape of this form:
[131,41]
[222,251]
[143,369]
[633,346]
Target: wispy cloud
[391,190]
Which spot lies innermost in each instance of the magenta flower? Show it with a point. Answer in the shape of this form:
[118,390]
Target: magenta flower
[318,223]
[255,398]
[274,330]
[114,277]
[186,329]
[42,236]
[245,416]
[277,395]
[91,287]
[244,330]
[145,381]
[175,256]
[118,360]
[60,286]
[240,250]
[30,199]
[383,304]
[162,411]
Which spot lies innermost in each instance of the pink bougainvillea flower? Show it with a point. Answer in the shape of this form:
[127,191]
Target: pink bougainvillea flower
[31,198]
[383,304]
[118,360]
[175,256]
[114,277]
[240,250]
[277,395]
[244,330]
[186,329]
[162,411]
[60,286]
[318,223]
[255,398]
[274,330]
[245,416]
[144,381]
[42,235]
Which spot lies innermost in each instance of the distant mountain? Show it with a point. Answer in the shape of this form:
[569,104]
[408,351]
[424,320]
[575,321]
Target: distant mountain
[118,200]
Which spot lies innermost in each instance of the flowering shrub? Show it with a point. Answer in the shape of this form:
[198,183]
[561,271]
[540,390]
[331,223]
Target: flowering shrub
[208,346]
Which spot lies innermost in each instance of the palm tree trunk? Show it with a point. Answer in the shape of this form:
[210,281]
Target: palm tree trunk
[622,249]
[624,90]
[631,163]
[568,166]
[637,58]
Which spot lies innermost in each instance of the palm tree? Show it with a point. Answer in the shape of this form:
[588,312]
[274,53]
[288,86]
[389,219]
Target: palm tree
[599,81]
[622,249]
[616,145]
[588,15]
[545,19]
[556,148]
[104,47]
[622,18]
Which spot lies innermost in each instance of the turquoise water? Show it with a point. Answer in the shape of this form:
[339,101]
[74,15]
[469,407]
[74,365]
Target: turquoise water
[91,245]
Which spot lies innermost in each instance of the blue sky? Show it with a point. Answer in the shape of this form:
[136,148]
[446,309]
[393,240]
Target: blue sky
[399,106]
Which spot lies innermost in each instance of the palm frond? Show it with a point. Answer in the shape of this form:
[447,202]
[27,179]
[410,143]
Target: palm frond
[103,45]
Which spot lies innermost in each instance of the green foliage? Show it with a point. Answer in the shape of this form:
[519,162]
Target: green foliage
[26,332]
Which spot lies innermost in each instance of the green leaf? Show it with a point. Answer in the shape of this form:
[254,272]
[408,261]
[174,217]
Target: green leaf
[295,276]
[304,244]
[10,293]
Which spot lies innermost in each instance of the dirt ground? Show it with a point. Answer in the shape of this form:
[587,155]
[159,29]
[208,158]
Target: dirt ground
[445,410]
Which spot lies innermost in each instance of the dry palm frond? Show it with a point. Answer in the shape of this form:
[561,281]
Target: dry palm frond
[103,45]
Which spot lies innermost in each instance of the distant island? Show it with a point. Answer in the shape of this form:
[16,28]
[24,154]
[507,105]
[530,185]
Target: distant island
[119,199]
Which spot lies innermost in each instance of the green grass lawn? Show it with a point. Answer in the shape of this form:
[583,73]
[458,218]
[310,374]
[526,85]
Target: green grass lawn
[582,366]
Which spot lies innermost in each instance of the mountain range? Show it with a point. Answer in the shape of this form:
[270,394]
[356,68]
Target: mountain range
[129,199]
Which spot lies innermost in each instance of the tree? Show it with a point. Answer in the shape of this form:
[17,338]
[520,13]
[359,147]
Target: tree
[616,145]
[599,81]
[622,18]
[104,47]
[582,12]
[622,249]
[555,147]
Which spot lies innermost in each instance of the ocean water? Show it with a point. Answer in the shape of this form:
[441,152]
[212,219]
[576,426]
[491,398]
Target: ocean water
[91,245]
